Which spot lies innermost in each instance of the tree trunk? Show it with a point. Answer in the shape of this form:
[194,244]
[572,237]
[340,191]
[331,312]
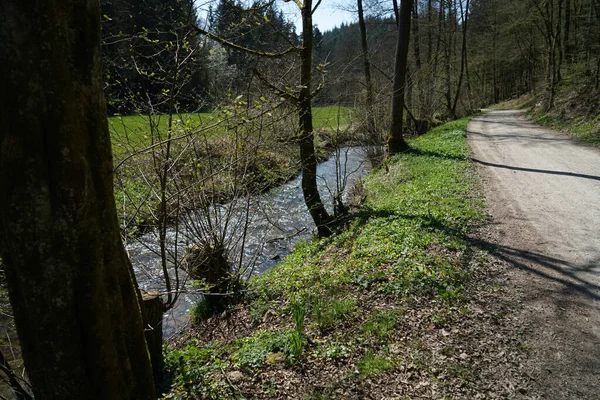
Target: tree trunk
[429,31]
[416,39]
[558,40]
[396,142]
[448,46]
[494,68]
[396,11]
[463,56]
[367,67]
[71,285]
[308,158]
[597,85]
[152,308]
[566,31]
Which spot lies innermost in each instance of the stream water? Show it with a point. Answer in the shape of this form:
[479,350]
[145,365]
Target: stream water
[261,231]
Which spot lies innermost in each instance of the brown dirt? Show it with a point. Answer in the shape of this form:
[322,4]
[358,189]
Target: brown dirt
[543,190]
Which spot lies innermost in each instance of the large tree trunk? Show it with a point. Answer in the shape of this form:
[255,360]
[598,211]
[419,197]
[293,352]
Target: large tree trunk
[396,142]
[308,158]
[70,282]
[370,122]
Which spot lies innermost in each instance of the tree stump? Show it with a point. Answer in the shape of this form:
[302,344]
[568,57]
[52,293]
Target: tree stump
[152,305]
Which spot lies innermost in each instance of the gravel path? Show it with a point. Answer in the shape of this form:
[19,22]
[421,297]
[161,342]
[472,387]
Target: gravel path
[543,190]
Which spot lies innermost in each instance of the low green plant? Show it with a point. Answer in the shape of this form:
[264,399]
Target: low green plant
[459,371]
[258,309]
[441,318]
[451,294]
[329,312]
[322,393]
[252,351]
[189,372]
[381,324]
[371,364]
[297,338]
[332,350]
[199,312]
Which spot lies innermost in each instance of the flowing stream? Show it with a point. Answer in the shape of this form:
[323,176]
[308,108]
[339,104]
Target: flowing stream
[261,230]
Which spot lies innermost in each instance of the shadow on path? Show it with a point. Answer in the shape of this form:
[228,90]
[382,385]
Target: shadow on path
[541,171]
[552,269]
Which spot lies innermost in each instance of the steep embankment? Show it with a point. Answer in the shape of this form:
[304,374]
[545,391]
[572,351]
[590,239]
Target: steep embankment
[401,303]
[575,107]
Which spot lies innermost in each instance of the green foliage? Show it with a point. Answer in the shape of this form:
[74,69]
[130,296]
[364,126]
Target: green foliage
[332,350]
[258,310]
[407,241]
[381,324]
[190,372]
[297,339]
[328,312]
[320,393]
[199,312]
[371,364]
[253,350]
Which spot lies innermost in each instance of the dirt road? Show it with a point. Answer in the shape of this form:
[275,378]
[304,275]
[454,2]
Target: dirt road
[544,195]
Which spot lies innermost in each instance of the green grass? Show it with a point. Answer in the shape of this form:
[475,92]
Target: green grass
[585,128]
[133,132]
[135,129]
[381,324]
[253,351]
[371,364]
[407,243]
[332,117]
[328,312]
[425,201]
[206,142]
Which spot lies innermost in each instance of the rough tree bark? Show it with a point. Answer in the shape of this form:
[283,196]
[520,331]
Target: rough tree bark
[308,158]
[70,282]
[396,142]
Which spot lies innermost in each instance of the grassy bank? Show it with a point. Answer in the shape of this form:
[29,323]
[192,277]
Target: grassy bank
[135,128]
[382,308]
[584,127]
[575,110]
[576,106]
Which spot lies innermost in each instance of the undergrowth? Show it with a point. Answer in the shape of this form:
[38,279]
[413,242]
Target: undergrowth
[342,303]
[576,106]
